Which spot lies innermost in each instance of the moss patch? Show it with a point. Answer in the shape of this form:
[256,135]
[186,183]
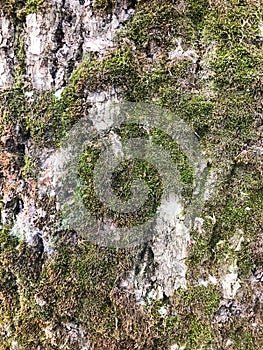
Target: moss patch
[22,8]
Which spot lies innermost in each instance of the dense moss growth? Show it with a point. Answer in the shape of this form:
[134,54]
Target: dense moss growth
[103,6]
[129,171]
[20,9]
[159,24]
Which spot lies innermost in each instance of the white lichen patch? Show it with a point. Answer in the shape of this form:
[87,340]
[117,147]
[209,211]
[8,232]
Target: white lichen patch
[177,347]
[169,248]
[6,51]
[230,282]
[102,112]
[179,54]
[25,226]
[211,279]
[36,39]
[39,301]
[236,241]
[68,334]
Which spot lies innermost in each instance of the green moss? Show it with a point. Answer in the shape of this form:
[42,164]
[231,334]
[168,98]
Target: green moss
[201,300]
[159,137]
[31,6]
[78,283]
[29,168]
[243,339]
[119,68]
[195,308]
[20,68]
[230,128]
[237,68]
[162,78]
[235,23]
[70,284]
[102,6]
[122,180]
[197,10]
[180,159]
[19,9]
[45,117]
[7,242]
[198,335]
[160,23]
[131,170]
[236,211]
[196,110]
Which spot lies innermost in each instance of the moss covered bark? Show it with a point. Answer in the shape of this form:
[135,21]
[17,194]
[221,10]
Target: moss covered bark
[217,89]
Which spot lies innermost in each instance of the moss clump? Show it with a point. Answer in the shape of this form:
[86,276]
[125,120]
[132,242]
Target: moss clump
[241,64]
[118,68]
[158,23]
[72,287]
[236,211]
[31,6]
[7,242]
[205,299]
[196,110]
[198,334]
[29,168]
[122,180]
[130,170]
[185,169]
[237,71]
[19,9]
[43,116]
[14,291]
[103,6]
[236,23]
[196,11]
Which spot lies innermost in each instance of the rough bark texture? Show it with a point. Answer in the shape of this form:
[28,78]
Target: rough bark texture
[196,286]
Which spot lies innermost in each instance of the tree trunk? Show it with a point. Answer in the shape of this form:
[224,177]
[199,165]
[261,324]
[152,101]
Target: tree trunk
[131,174]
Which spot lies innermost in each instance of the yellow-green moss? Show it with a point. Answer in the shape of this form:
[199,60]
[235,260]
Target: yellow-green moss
[19,9]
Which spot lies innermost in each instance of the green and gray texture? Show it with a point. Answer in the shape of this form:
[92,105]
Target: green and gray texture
[60,60]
